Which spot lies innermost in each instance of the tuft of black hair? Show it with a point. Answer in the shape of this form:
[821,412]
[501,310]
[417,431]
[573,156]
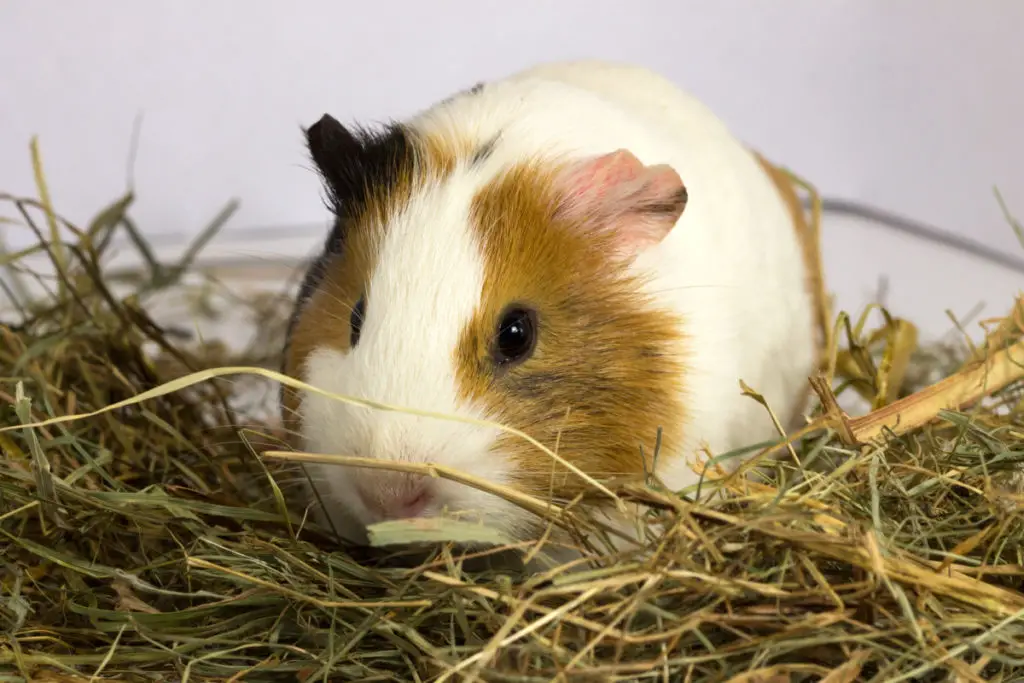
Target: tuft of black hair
[352,163]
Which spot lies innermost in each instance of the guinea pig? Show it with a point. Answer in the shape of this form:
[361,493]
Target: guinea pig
[580,251]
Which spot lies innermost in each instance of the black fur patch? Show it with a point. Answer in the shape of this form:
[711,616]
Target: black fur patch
[349,162]
[468,92]
[485,151]
[352,162]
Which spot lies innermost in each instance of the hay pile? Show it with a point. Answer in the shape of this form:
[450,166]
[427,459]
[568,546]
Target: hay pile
[151,542]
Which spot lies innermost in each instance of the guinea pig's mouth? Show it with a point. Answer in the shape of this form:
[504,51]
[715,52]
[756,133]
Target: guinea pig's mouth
[353,501]
[399,498]
[383,496]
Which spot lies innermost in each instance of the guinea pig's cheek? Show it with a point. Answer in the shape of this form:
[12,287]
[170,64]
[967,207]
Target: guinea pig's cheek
[328,425]
[325,426]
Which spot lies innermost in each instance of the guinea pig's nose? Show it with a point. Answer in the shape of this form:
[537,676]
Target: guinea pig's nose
[394,497]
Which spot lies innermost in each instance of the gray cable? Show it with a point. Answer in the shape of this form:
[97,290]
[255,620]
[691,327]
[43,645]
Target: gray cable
[921,231]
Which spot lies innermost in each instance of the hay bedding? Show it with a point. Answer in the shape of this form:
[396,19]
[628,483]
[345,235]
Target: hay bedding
[152,542]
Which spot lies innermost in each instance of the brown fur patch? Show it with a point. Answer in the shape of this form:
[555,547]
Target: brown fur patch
[439,154]
[606,368]
[323,319]
[812,263]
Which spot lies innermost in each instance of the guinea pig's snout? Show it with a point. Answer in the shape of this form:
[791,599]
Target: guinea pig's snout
[394,495]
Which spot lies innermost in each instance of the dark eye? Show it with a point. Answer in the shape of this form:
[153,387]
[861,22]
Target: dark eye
[356,319]
[517,336]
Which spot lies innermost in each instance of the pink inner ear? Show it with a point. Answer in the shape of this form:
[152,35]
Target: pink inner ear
[639,204]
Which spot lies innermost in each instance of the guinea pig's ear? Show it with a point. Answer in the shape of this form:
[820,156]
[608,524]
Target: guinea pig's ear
[332,147]
[616,192]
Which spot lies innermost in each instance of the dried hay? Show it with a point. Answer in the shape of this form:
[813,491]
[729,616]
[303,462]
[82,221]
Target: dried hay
[145,538]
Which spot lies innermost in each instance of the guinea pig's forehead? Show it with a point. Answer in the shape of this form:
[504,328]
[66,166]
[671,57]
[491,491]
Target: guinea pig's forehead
[429,259]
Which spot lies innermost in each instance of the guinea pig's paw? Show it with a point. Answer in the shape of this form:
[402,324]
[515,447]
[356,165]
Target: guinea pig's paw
[616,193]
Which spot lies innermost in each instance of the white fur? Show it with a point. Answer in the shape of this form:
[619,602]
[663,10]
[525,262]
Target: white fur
[425,286]
[732,266]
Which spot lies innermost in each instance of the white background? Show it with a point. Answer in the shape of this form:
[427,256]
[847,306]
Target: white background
[914,106]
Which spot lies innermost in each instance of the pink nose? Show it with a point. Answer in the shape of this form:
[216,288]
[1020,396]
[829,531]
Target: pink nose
[390,499]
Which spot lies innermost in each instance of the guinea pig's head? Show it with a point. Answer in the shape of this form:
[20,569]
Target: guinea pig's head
[463,281]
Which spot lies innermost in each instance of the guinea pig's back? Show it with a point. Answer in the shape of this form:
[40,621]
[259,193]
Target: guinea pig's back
[644,92]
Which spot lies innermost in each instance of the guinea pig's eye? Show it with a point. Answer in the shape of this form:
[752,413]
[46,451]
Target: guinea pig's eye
[516,336]
[356,320]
